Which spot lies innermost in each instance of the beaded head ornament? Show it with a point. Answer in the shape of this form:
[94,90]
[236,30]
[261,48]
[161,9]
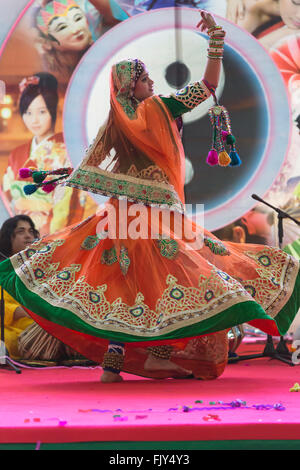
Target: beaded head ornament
[52,10]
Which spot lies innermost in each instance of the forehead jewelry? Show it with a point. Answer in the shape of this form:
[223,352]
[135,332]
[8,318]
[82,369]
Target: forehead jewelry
[139,68]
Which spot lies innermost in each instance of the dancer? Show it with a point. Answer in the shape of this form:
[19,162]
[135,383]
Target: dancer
[118,281]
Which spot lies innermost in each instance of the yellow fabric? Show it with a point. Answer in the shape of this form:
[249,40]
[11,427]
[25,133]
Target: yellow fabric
[13,328]
[61,209]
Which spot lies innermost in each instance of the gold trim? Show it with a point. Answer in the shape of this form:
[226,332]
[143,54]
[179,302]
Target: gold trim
[166,189]
[110,312]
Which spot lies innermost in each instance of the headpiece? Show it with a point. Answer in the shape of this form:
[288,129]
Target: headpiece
[51,10]
[139,67]
[33,80]
[125,74]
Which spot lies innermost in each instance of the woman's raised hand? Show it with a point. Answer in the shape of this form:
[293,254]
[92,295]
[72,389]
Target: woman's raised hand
[207,21]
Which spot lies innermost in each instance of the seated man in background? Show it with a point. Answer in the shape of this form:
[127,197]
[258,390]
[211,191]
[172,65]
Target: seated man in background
[16,234]
[24,339]
[252,227]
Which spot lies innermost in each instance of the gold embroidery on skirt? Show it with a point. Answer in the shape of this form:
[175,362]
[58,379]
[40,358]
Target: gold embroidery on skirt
[178,306]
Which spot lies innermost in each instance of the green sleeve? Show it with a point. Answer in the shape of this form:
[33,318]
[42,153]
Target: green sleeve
[186,99]
[175,107]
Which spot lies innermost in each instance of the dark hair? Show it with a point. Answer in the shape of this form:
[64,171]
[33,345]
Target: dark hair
[297,120]
[47,87]
[7,231]
[226,233]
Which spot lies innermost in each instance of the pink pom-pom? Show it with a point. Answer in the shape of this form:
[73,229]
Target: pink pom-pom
[47,188]
[25,172]
[224,135]
[212,158]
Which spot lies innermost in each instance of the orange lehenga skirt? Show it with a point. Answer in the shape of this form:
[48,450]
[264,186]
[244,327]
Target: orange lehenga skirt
[90,284]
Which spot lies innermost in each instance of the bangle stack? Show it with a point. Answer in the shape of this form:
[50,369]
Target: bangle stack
[216,42]
[161,352]
[113,362]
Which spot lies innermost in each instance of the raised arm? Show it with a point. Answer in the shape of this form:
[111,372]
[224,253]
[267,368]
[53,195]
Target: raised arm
[215,48]
[193,94]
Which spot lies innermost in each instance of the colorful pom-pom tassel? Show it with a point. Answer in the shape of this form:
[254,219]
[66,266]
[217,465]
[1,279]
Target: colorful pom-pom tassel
[47,188]
[220,121]
[39,176]
[235,159]
[212,158]
[30,189]
[25,172]
[230,139]
[224,159]
[224,135]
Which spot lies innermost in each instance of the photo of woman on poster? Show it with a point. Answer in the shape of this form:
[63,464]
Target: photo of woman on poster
[65,29]
[45,151]
[286,55]
[268,20]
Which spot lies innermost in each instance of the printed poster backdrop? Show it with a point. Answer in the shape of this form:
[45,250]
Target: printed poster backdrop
[260,86]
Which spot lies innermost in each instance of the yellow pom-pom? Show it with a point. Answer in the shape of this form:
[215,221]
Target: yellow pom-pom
[295,388]
[224,159]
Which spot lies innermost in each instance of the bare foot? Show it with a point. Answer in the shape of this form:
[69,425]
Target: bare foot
[110,377]
[152,363]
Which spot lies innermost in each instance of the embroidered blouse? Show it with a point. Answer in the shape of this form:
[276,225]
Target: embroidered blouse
[136,177]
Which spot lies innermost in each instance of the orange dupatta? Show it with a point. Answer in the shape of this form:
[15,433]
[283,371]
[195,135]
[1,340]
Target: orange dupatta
[138,153]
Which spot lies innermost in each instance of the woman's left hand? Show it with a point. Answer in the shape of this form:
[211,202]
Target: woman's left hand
[207,21]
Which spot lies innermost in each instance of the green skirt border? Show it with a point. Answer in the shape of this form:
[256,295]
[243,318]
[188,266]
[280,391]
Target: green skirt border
[243,312]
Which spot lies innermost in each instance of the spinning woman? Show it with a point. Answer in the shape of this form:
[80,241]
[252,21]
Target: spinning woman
[103,288]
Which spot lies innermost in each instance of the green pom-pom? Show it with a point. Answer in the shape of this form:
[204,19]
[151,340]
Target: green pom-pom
[39,176]
[230,139]
[30,189]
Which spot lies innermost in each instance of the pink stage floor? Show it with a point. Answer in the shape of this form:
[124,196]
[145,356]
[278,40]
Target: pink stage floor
[68,405]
